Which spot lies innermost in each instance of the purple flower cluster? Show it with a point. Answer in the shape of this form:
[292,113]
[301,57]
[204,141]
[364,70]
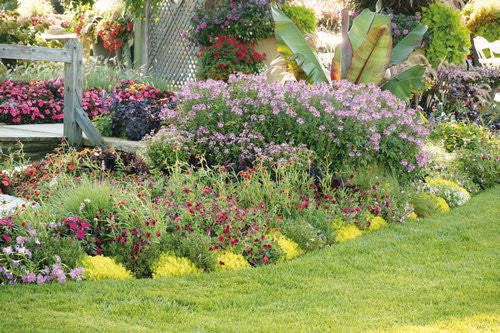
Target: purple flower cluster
[243,118]
[17,264]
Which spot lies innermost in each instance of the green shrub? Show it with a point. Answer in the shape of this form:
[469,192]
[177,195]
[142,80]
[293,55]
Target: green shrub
[89,200]
[427,204]
[462,136]
[68,250]
[310,233]
[302,16]
[490,31]
[398,6]
[446,165]
[9,5]
[449,38]
[195,247]
[481,165]
[136,256]
[103,123]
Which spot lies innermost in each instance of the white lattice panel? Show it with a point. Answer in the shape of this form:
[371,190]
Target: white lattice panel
[169,54]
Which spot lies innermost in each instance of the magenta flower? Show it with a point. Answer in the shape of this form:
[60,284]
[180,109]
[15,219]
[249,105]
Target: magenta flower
[80,234]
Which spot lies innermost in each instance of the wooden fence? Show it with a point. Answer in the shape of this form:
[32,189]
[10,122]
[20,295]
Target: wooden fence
[75,120]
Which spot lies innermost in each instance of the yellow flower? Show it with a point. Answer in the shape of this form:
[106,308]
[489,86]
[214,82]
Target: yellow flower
[348,232]
[231,261]
[170,265]
[104,268]
[288,246]
[377,223]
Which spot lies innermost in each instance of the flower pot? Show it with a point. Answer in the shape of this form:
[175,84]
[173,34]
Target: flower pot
[270,48]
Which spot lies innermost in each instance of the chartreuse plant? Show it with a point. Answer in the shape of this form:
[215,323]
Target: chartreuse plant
[449,37]
[364,55]
[427,204]
[171,265]
[231,261]
[104,268]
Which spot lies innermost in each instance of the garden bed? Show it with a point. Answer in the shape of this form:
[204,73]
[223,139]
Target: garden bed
[219,188]
[435,274]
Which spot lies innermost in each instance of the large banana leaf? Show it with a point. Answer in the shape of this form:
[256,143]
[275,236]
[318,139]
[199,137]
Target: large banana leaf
[365,21]
[401,84]
[291,42]
[335,69]
[401,51]
[342,58]
[371,59]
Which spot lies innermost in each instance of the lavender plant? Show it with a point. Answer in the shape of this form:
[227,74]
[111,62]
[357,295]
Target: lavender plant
[248,117]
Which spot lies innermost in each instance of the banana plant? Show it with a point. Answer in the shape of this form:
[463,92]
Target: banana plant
[295,49]
[365,54]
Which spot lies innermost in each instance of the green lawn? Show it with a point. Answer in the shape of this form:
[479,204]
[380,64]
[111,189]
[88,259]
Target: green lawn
[440,273]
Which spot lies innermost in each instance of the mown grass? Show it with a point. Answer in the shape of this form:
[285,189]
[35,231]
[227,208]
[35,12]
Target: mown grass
[439,273]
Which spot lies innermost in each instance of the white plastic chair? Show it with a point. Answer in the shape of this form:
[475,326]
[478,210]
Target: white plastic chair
[480,43]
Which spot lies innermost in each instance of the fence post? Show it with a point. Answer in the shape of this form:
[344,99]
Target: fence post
[73,82]
[145,36]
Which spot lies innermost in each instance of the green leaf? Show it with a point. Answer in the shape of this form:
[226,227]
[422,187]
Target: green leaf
[293,46]
[402,84]
[363,23]
[401,51]
[371,59]
[378,6]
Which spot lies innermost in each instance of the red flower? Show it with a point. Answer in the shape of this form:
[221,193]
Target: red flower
[221,239]
[6,237]
[265,259]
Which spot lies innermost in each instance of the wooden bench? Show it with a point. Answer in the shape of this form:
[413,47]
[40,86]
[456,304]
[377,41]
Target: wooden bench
[481,44]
